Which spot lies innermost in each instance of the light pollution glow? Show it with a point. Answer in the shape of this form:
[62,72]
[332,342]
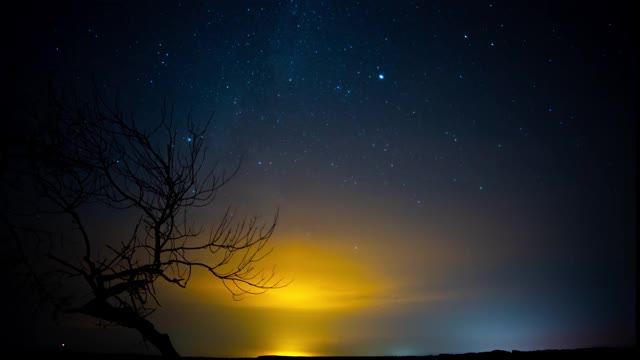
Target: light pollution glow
[325,284]
[329,285]
[366,283]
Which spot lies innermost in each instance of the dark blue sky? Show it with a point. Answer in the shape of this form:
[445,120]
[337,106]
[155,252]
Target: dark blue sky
[479,153]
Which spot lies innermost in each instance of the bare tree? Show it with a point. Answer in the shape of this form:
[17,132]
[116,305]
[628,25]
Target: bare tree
[89,154]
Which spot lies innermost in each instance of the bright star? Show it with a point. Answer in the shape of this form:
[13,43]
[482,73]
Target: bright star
[381,76]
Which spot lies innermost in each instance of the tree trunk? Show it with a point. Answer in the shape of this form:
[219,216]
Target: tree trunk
[128,318]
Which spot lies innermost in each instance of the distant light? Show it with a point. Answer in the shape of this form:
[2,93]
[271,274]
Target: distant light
[189,139]
[381,76]
[291,354]
[466,36]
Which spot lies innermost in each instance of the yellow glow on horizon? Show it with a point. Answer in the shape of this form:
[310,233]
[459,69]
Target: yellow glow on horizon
[291,353]
[330,282]
[323,279]
[290,340]
[334,284]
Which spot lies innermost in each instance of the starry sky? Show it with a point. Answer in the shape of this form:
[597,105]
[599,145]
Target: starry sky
[452,176]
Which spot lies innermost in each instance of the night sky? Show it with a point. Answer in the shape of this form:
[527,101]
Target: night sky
[452,176]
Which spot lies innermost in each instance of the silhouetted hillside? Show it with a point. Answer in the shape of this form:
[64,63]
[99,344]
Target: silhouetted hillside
[591,353]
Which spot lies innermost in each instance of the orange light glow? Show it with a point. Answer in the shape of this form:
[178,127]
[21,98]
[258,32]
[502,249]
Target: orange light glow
[291,353]
[327,284]
[332,285]
[322,280]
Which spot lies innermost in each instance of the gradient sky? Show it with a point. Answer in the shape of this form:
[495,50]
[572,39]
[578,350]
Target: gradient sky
[452,176]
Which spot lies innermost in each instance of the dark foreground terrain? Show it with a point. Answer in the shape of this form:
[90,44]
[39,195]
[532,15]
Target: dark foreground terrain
[591,353]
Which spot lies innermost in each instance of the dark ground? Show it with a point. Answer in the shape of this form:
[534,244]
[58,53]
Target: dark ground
[591,353]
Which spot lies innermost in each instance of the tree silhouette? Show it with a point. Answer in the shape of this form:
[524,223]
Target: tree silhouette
[88,154]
